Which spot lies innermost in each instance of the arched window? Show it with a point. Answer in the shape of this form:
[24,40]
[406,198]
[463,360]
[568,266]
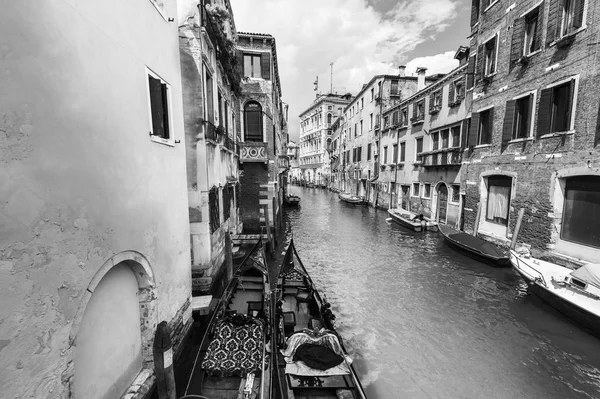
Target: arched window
[328,119]
[253,127]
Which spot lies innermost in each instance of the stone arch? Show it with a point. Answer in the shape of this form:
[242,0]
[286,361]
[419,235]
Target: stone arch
[144,276]
[434,201]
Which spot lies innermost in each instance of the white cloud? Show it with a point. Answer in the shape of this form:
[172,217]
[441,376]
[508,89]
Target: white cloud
[439,63]
[350,33]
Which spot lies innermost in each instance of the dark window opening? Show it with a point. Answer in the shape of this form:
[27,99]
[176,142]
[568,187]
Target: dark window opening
[485,127]
[498,199]
[521,125]
[159,107]
[253,122]
[581,211]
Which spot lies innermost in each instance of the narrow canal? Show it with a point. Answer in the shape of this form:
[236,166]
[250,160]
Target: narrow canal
[423,321]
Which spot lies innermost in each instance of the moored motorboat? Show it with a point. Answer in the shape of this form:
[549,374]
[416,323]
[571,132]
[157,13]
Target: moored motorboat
[291,199]
[411,220]
[309,355]
[232,360]
[575,293]
[475,247]
[351,199]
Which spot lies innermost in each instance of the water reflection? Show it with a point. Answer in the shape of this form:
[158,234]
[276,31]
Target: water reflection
[423,321]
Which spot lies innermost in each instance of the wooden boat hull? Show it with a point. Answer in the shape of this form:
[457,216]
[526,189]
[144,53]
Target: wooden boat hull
[469,248]
[587,319]
[351,199]
[407,222]
[292,201]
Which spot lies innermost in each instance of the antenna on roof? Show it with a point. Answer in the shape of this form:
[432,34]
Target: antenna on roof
[331,79]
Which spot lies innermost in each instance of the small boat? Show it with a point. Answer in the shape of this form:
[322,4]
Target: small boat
[475,247]
[232,360]
[575,293]
[411,220]
[351,199]
[292,200]
[310,358]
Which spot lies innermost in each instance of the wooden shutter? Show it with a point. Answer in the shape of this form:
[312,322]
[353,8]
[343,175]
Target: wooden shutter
[480,63]
[516,50]
[156,106]
[464,131]
[431,101]
[414,111]
[554,17]
[470,72]
[473,132]
[474,12]
[240,62]
[544,113]
[165,111]
[578,14]
[491,126]
[570,109]
[451,90]
[265,65]
[509,120]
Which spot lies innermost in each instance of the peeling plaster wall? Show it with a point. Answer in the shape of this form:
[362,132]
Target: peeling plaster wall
[80,180]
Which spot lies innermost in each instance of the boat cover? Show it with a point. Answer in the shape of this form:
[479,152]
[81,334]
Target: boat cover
[589,273]
[236,348]
[471,241]
[296,362]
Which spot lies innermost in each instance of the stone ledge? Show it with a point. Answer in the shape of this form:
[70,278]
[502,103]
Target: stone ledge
[142,386]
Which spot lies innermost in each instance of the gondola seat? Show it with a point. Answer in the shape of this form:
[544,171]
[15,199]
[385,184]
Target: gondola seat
[303,297]
[289,321]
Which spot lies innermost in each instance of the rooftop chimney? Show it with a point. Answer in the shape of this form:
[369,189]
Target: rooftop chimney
[402,71]
[421,78]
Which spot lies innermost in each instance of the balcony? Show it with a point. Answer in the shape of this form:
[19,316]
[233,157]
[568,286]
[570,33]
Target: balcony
[442,158]
[253,151]
[283,162]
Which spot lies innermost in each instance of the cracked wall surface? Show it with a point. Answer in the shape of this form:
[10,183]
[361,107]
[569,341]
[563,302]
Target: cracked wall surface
[80,179]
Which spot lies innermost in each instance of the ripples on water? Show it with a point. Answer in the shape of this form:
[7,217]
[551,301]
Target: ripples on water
[423,321]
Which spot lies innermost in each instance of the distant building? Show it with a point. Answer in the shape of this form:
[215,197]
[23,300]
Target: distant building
[422,141]
[294,172]
[94,226]
[263,123]
[316,136]
[535,127]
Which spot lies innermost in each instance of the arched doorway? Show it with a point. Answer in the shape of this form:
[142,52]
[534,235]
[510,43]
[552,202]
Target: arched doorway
[114,328]
[442,203]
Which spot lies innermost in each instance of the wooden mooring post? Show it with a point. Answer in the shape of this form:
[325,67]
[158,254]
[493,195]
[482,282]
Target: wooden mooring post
[476,226]
[513,243]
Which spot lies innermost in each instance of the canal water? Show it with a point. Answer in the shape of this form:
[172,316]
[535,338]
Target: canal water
[423,321]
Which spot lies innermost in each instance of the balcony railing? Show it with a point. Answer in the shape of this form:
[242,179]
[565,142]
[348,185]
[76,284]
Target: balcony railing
[228,143]
[210,131]
[253,151]
[445,157]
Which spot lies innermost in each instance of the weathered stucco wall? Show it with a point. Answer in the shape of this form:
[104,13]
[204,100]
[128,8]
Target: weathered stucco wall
[80,179]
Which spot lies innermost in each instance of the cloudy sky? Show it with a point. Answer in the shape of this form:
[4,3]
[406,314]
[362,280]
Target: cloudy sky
[362,38]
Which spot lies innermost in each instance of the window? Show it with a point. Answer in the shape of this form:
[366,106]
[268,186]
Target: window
[455,132]
[362,103]
[372,93]
[328,119]
[522,119]
[498,199]
[572,16]
[533,37]
[385,151]
[445,136]
[402,152]
[556,108]
[456,92]
[455,192]
[355,129]
[415,190]
[329,107]
[419,148]
[253,128]
[435,101]
[405,204]
[435,140]
[369,152]
[395,152]
[386,121]
[370,122]
[159,93]
[427,190]
[484,134]
[359,154]
[394,88]
[581,211]
[361,127]
[395,118]
[404,116]
[420,110]
[489,57]
[252,68]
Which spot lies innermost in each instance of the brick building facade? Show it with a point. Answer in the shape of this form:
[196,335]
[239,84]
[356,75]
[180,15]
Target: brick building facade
[533,73]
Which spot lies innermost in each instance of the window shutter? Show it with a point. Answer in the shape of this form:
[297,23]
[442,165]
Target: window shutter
[474,12]
[473,132]
[544,113]
[240,62]
[470,72]
[414,111]
[490,126]
[451,90]
[578,13]
[480,63]
[570,106]
[554,12]
[156,106]
[165,111]
[509,120]
[431,101]
[516,50]
[265,65]
[464,131]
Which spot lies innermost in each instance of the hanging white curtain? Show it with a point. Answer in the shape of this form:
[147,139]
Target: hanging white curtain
[498,202]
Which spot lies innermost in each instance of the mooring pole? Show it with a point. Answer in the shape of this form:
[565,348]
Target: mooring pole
[513,243]
[476,227]
[163,362]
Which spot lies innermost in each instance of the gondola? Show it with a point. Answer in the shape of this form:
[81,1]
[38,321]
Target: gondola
[407,219]
[474,247]
[232,361]
[351,199]
[575,293]
[309,355]
[291,200]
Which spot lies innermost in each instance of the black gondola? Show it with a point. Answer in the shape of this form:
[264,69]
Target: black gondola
[474,247]
[309,355]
